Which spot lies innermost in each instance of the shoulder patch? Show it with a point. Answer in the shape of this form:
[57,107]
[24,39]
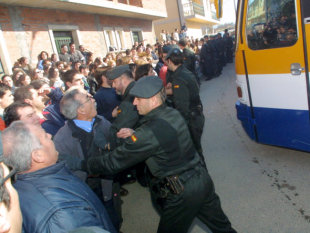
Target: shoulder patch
[134,138]
[176,86]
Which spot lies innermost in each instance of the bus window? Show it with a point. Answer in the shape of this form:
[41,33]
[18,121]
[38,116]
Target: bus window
[271,24]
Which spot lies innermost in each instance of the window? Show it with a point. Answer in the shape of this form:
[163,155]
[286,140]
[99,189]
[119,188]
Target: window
[62,37]
[63,34]
[114,38]
[136,36]
[1,69]
[271,24]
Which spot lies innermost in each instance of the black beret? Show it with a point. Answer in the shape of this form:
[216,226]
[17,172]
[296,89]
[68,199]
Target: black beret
[117,71]
[147,87]
[176,51]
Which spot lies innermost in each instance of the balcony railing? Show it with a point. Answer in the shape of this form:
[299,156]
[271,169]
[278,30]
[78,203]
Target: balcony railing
[193,8]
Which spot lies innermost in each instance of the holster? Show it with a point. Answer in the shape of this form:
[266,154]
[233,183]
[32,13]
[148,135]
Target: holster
[170,184]
[174,184]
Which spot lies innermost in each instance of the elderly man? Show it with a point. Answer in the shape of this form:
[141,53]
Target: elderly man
[83,136]
[10,213]
[181,187]
[52,199]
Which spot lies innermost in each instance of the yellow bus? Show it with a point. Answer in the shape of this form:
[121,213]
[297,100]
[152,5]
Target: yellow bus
[272,69]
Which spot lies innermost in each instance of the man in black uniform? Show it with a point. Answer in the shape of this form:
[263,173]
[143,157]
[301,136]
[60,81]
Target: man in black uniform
[189,58]
[181,187]
[185,96]
[126,114]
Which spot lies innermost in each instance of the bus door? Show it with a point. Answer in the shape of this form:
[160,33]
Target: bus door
[274,58]
[305,6]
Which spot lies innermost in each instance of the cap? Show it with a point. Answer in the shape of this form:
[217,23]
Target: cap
[147,87]
[117,71]
[167,48]
[176,51]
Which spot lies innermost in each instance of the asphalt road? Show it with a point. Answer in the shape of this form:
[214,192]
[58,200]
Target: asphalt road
[263,189]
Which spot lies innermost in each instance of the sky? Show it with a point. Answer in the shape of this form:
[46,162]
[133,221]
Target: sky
[229,14]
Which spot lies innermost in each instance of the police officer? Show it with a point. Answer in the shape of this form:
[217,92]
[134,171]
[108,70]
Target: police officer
[126,114]
[181,187]
[126,117]
[189,58]
[185,96]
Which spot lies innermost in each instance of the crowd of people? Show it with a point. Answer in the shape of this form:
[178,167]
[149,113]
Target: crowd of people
[75,128]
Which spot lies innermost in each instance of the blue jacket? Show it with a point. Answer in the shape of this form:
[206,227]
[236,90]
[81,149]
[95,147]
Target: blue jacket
[107,100]
[54,119]
[52,199]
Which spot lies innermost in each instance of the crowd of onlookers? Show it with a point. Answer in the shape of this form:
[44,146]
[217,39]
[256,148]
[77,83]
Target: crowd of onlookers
[68,98]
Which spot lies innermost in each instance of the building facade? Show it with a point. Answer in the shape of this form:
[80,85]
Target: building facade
[28,27]
[199,16]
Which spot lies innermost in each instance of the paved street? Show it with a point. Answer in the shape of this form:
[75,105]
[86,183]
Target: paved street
[263,189]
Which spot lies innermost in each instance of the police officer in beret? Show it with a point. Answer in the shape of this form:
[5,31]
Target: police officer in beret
[184,91]
[126,117]
[126,114]
[180,185]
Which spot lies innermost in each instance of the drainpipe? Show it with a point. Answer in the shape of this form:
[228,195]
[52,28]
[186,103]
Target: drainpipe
[181,13]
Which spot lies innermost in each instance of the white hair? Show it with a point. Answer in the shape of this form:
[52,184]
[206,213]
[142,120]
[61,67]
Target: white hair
[18,143]
[69,104]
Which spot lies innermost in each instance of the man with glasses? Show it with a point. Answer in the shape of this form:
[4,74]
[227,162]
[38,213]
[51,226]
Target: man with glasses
[10,213]
[51,198]
[84,135]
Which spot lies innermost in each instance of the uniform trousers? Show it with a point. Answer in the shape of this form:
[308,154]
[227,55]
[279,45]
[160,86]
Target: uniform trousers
[197,200]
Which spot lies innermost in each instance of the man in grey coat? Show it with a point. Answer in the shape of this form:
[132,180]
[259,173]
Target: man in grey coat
[83,136]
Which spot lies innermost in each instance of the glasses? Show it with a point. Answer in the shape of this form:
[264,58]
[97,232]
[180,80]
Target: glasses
[11,174]
[88,98]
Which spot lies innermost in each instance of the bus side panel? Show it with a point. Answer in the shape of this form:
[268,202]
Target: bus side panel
[244,115]
[276,109]
[283,127]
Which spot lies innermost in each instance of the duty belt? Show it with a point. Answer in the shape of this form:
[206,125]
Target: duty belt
[172,184]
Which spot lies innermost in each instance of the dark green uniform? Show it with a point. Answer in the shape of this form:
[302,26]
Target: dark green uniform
[127,116]
[181,187]
[189,59]
[186,99]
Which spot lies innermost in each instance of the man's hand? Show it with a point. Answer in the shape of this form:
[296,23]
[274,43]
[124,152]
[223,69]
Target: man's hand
[169,89]
[115,112]
[125,133]
[44,90]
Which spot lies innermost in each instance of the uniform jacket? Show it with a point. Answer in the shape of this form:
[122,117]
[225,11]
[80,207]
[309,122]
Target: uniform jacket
[127,116]
[189,59]
[162,141]
[52,199]
[185,92]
